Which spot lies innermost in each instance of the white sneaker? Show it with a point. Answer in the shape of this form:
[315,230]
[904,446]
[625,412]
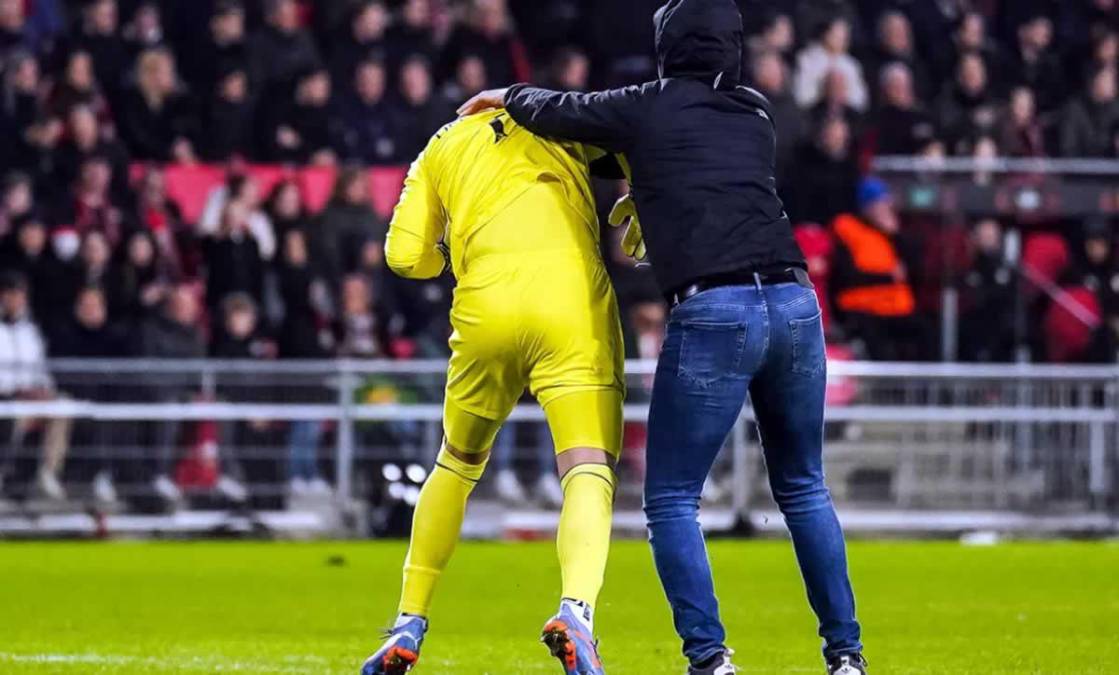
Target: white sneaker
[509,489]
[549,490]
[166,489]
[721,666]
[50,487]
[298,487]
[319,487]
[104,491]
[232,489]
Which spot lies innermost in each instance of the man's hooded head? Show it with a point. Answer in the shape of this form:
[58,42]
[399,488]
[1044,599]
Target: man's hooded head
[700,39]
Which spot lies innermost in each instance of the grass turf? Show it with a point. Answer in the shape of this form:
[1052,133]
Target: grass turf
[317,608]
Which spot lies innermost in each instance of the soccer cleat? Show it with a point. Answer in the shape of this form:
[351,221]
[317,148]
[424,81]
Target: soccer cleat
[717,665]
[847,664]
[401,650]
[568,640]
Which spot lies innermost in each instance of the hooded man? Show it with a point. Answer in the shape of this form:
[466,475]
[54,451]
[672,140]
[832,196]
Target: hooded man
[745,318]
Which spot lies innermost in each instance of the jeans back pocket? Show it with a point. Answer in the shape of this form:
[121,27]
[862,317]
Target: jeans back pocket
[809,352]
[711,351]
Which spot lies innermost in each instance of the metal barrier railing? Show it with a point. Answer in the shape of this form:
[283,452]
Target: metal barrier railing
[915,437]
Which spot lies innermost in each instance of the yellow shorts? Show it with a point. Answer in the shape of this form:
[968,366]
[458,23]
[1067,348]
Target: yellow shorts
[548,322]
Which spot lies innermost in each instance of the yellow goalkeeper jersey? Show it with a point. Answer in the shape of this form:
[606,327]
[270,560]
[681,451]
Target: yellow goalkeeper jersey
[464,190]
[533,306]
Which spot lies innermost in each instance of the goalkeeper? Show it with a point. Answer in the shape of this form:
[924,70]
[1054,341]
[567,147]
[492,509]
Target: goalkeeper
[513,215]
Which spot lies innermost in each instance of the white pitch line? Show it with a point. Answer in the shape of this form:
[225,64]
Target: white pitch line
[177,663]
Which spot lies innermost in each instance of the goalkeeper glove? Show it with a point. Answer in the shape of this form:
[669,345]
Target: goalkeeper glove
[633,241]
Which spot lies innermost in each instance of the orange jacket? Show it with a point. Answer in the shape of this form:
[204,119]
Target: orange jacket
[873,255]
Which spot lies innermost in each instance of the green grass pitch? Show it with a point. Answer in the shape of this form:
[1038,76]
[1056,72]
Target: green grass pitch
[317,608]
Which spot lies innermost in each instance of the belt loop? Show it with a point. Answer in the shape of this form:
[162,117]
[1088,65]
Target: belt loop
[758,281]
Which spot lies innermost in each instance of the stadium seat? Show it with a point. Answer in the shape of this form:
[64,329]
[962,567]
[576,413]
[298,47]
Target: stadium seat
[1046,255]
[385,184]
[816,244]
[1067,336]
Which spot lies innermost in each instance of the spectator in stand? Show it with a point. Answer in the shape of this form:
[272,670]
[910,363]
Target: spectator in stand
[488,32]
[145,30]
[365,38]
[967,109]
[229,119]
[240,338]
[17,202]
[25,378]
[84,139]
[771,78]
[895,45]
[777,36]
[21,109]
[173,333]
[303,335]
[420,115]
[240,188]
[223,51]
[827,174]
[1095,267]
[369,136]
[26,252]
[873,295]
[359,331]
[1021,134]
[570,70]
[1087,122]
[971,37]
[347,221]
[285,209]
[988,297]
[139,281]
[828,53]
[89,334]
[834,103]
[156,119]
[232,259]
[92,208]
[280,50]
[13,28]
[91,268]
[903,126]
[79,86]
[470,79]
[1035,63]
[158,214]
[306,298]
[99,37]
[304,130]
[413,32]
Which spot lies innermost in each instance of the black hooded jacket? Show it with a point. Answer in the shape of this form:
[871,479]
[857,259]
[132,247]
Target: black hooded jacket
[700,147]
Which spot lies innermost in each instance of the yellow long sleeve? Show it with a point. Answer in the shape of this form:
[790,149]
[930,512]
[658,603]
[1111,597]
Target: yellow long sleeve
[418,226]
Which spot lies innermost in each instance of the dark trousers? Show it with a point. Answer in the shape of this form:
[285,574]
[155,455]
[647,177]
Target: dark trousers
[720,345]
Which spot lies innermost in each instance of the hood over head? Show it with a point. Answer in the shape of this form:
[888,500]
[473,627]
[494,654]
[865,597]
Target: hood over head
[701,39]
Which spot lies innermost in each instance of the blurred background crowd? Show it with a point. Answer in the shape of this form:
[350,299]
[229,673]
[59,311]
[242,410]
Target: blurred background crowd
[103,101]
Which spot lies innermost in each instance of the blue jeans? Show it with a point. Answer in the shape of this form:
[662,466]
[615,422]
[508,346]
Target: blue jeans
[303,449]
[767,341]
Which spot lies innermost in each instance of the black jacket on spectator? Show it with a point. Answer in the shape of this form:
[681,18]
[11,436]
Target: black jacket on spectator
[233,265]
[160,337]
[229,130]
[316,126]
[300,333]
[150,133]
[903,131]
[701,148]
[369,137]
[1086,128]
[75,340]
[277,58]
[338,235]
[822,187]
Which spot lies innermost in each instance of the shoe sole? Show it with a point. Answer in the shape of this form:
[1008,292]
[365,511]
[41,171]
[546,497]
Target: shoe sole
[398,660]
[557,638]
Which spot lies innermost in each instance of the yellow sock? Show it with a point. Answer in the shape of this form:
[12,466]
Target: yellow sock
[435,529]
[583,540]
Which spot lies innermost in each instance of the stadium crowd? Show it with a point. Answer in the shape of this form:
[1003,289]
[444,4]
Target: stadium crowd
[99,97]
